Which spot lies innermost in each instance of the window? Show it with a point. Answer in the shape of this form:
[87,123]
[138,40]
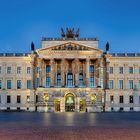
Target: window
[58,80]
[111,84]
[111,99]
[120,70]
[121,99]
[131,109]
[0,84]
[8,70]
[37,82]
[29,84]
[48,82]
[92,69]
[131,99]
[0,98]
[36,98]
[139,70]
[9,84]
[18,70]
[8,99]
[28,70]
[121,108]
[111,70]
[81,81]
[130,70]
[70,80]
[0,69]
[120,84]
[28,99]
[91,81]
[18,84]
[18,99]
[130,84]
[48,69]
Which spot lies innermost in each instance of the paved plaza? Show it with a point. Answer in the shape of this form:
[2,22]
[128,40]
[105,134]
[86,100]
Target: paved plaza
[69,126]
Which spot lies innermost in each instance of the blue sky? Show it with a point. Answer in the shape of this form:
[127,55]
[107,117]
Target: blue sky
[116,21]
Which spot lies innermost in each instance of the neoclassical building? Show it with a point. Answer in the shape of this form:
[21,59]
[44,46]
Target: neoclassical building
[70,74]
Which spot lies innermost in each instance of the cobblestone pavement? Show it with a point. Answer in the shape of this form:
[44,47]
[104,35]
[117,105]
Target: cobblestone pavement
[67,126]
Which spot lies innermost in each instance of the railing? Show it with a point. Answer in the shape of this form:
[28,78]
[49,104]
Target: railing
[14,54]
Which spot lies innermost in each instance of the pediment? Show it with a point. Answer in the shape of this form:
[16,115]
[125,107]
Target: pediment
[70,46]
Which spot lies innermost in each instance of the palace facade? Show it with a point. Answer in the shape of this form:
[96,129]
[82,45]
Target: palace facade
[70,74]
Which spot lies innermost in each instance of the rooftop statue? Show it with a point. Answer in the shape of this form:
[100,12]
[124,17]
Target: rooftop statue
[70,33]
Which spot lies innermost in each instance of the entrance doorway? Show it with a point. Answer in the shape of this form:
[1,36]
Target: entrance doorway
[69,103]
[57,105]
[82,105]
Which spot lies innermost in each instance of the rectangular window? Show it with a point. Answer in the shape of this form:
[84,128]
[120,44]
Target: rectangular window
[37,82]
[28,70]
[130,84]
[8,99]
[29,84]
[121,99]
[120,70]
[48,69]
[9,84]
[91,69]
[48,82]
[0,69]
[111,84]
[28,99]
[111,99]
[120,84]
[58,80]
[18,84]
[36,98]
[130,70]
[9,70]
[18,99]
[111,70]
[92,81]
[131,99]
[81,80]
[0,84]
[70,80]
[18,70]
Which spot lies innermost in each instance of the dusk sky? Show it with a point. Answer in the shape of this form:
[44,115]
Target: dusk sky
[116,21]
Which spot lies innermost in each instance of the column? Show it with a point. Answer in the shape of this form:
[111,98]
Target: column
[99,72]
[87,72]
[76,72]
[52,73]
[63,72]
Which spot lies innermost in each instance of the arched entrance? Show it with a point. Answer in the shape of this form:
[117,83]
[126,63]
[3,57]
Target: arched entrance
[57,105]
[69,102]
[82,105]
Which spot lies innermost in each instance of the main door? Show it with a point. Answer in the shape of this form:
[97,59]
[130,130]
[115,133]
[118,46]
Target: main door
[69,103]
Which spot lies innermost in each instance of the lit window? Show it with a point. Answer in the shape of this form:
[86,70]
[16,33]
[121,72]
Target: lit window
[18,70]
[9,84]
[8,70]
[131,99]
[111,99]
[120,70]
[111,84]
[18,84]
[120,84]
[130,70]
[111,70]
[130,84]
